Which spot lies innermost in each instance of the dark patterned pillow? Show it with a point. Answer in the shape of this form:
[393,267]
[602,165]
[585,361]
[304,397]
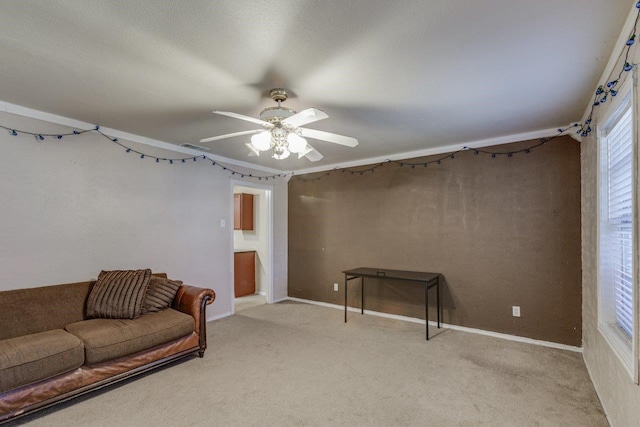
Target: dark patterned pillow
[118,294]
[160,294]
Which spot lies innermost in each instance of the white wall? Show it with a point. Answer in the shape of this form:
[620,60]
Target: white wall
[73,207]
[281,243]
[280,193]
[256,239]
[619,395]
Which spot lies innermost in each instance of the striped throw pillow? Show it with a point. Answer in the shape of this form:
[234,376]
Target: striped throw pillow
[160,294]
[118,294]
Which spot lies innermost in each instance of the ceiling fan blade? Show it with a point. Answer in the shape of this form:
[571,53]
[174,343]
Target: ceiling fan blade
[231,135]
[304,117]
[312,154]
[252,151]
[246,118]
[330,137]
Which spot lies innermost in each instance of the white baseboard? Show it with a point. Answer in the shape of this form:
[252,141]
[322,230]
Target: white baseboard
[219,316]
[595,387]
[445,325]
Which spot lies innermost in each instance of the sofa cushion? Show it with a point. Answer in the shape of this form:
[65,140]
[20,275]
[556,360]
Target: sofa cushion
[34,357]
[160,294]
[118,294]
[44,308]
[106,339]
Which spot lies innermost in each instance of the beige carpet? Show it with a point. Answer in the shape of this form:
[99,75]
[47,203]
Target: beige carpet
[249,301]
[292,364]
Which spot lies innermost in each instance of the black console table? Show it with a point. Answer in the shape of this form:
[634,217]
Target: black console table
[429,279]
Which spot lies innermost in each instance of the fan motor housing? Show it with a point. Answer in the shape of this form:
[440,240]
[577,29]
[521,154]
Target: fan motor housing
[278,94]
[276,114]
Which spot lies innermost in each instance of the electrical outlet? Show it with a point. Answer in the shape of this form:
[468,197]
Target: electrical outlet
[223,223]
[516,311]
[335,287]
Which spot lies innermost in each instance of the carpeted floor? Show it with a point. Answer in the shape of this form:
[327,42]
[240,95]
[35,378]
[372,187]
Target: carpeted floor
[249,301]
[292,364]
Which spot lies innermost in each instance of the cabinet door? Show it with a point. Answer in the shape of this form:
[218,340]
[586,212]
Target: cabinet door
[243,211]
[244,270]
[236,212]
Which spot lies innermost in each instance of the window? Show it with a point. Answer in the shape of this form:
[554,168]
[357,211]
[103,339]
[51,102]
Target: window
[617,232]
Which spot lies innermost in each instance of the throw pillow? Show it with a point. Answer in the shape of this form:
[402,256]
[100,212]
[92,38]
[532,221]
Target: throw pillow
[118,294]
[160,294]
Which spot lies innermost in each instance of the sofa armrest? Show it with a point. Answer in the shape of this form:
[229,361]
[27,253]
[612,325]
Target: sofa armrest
[193,300]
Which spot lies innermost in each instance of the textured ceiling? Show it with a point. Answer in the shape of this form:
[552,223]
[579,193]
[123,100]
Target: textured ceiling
[399,76]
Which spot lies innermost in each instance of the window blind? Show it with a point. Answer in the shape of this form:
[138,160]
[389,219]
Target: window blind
[620,218]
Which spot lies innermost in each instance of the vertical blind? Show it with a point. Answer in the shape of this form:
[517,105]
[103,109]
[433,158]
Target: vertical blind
[620,218]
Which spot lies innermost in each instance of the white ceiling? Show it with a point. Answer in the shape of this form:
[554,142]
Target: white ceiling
[399,76]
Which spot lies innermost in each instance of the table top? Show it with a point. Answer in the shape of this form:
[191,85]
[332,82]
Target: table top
[419,276]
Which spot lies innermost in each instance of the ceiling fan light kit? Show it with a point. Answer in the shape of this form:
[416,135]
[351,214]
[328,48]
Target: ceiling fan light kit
[261,141]
[296,143]
[282,132]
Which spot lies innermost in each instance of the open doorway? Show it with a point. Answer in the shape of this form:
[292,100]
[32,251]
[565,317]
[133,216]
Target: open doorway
[252,246]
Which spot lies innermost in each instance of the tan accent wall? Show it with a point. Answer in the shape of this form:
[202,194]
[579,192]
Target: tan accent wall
[503,232]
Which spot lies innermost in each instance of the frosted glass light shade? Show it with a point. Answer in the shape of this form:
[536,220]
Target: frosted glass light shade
[285,153]
[261,141]
[297,144]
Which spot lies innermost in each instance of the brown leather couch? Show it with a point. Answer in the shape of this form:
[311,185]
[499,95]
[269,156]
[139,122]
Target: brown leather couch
[50,352]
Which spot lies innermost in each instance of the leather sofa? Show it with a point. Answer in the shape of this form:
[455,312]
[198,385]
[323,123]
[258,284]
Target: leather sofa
[50,352]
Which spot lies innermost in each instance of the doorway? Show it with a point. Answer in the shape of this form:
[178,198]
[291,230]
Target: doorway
[252,246]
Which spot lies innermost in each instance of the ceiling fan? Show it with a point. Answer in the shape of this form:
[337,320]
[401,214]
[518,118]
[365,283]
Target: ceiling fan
[282,132]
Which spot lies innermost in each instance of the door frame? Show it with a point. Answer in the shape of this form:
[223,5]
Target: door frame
[268,189]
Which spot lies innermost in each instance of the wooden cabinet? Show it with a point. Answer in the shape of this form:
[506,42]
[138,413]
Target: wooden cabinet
[243,211]
[244,271]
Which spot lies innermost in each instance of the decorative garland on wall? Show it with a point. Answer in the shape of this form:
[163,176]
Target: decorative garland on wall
[170,160]
[603,91]
[352,171]
[601,95]
[449,156]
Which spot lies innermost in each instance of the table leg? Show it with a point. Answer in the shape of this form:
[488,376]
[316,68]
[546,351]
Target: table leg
[362,297]
[438,296]
[345,298]
[426,308]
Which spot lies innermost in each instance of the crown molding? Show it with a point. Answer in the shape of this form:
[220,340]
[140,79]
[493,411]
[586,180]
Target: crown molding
[545,133]
[77,124]
[73,123]
[615,54]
